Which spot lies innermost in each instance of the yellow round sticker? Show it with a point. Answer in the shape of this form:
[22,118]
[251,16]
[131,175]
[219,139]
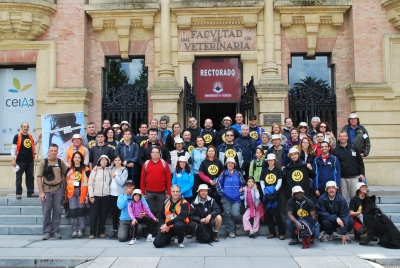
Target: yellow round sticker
[223,137]
[270,178]
[190,148]
[78,176]
[213,170]
[207,138]
[254,135]
[27,143]
[230,153]
[302,213]
[297,175]
[91,143]
[142,142]
[295,146]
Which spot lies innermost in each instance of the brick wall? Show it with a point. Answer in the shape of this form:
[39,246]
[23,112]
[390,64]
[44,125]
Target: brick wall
[18,56]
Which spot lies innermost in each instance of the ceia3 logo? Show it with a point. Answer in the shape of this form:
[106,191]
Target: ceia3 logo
[19,102]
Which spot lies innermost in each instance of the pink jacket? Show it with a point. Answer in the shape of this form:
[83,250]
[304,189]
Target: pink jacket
[135,208]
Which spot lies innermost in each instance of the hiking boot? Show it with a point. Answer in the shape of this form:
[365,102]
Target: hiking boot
[232,235]
[215,237]
[237,225]
[32,195]
[282,237]
[150,239]
[335,235]
[181,245]
[18,196]
[46,236]
[251,234]
[80,234]
[74,234]
[294,242]
[113,233]
[271,236]
[325,238]
[56,236]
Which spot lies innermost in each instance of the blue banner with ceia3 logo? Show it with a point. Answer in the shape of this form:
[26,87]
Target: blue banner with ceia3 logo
[18,104]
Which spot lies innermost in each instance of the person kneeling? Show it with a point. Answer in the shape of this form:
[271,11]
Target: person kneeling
[136,209]
[174,219]
[204,210]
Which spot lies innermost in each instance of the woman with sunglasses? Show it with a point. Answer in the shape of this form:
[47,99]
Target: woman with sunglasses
[303,130]
[325,128]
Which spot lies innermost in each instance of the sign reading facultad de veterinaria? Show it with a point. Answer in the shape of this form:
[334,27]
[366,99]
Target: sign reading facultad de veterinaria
[217,40]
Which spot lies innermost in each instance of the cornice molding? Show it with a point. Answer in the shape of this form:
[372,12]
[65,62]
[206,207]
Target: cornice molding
[312,20]
[393,9]
[124,20]
[25,20]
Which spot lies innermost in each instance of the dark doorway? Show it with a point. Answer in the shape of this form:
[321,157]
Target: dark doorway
[216,112]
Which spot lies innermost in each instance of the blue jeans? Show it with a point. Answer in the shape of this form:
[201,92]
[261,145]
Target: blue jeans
[291,229]
[232,212]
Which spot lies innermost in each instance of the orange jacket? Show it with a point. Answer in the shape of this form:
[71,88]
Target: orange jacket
[71,151]
[19,142]
[76,177]
[171,215]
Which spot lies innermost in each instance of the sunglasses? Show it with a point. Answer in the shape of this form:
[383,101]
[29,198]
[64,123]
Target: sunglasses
[322,126]
[228,135]
[252,119]
[192,121]
[302,127]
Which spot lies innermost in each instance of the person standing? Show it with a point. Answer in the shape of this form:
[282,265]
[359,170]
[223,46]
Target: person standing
[208,133]
[51,184]
[89,139]
[229,148]
[314,123]
[255,131]
[358,135]
[106,124]
[23,154]
[145,149]
[239,123]
[351,165]
[287,128]
[193,129]
[197,155]
[184,177]
[163,131]
[142,137]
[248,146]
[98,149]
[176,134]
[74,147]
[129,151]
[226,122]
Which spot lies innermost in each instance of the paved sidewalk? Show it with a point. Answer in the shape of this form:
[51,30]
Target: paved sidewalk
[31,251]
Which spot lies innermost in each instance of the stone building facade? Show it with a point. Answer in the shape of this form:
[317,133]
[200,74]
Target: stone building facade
[69,40]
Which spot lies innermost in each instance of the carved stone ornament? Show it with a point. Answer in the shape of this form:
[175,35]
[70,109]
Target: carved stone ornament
[311,22]
[393,9]
[25,20]
[130,24]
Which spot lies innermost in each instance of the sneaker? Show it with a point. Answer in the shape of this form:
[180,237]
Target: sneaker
[32,195]
[150,239]
[232,235]
[74,234]
[335,235]
[270,236]
[215,236]
[251,234]
[189,236]
[255,234]
[113,233]
[80,234]
[91,236]
[181,245]
[294,242]
[325,238]
[348,239]
[282,237]
[18,196]
[237,225]
[46,236]
[133,241]
[56,236]
[102,235]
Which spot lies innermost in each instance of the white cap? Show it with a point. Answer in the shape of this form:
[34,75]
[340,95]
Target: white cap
[359,184]
[331,183]
[103,156]
[115,125]
[230,159]
[292,151]
[76,136]
[226,118]
[182,159]
[271,157]
[303,124]
[124,122]
[297,189]
[178,140]
[203,187]
[275,137]
[353,115]
[137,191]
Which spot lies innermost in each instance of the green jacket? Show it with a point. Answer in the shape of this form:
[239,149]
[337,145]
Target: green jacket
[255,169]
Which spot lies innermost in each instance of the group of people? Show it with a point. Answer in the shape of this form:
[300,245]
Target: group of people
[177,182]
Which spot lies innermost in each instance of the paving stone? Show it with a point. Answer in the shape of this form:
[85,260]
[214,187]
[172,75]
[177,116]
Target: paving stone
[319,261]
[102,262]
[171,262]
[133,262]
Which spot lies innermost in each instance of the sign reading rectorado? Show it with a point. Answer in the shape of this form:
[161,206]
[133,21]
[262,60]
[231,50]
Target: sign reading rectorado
[217,40]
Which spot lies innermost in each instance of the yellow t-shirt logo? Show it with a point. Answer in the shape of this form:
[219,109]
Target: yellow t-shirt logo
[254,135]
[302,213]
[230,153]
[297,175]
[270,178]
[207,138]
[190,148]
[27,143]
[213,170]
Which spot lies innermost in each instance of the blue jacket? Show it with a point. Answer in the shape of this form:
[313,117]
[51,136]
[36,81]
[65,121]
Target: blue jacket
[228,185]
[197,157]
[238,149]
[185,181]
[239,129]
[128,152]
[248,147]
[285,158]
[331,210]
[324,172]
[123,202]
[258,130]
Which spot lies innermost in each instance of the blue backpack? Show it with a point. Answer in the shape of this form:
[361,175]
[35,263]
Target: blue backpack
[270,197]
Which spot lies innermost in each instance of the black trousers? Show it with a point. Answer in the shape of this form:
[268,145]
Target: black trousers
[162,239]
[115,211]
[26,168]
[98,214]
[149,222]
[269,215]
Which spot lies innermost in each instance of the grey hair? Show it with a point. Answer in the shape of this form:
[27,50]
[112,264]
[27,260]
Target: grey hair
[176,185]
[316,118]
[154,119]
[243,126]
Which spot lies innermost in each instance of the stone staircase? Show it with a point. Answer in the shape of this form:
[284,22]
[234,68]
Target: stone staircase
[24,217]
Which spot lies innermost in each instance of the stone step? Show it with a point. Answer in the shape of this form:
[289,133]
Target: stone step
[389,208]
[21,210]
[37,219]
[388,200]
[395,217]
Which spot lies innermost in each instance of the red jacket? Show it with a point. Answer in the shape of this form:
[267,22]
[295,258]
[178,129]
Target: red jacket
[155,177]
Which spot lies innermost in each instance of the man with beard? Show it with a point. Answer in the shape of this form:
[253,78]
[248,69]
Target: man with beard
[239,123]
[227,121]
[358,135]
[255,131]
[142,137]
[145,149]
[208,133]
[193,129]
[188,144]
[230,149]
[248,148]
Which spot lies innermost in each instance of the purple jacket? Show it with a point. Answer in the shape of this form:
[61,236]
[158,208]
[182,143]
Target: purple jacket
[135,208]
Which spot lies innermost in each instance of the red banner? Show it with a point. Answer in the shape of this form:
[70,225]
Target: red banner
[217,80]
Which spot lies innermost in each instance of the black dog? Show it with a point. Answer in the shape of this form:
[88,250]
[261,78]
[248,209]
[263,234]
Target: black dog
[378,224]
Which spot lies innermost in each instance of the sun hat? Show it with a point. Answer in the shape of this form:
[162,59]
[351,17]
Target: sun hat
[203,187]
[297,189]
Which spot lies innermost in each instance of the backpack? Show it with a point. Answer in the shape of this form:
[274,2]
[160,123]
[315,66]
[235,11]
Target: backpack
[270,197]
[147,163]
[204,233]
[48,172]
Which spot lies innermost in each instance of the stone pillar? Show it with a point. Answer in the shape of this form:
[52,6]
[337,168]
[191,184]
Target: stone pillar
[165,92]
